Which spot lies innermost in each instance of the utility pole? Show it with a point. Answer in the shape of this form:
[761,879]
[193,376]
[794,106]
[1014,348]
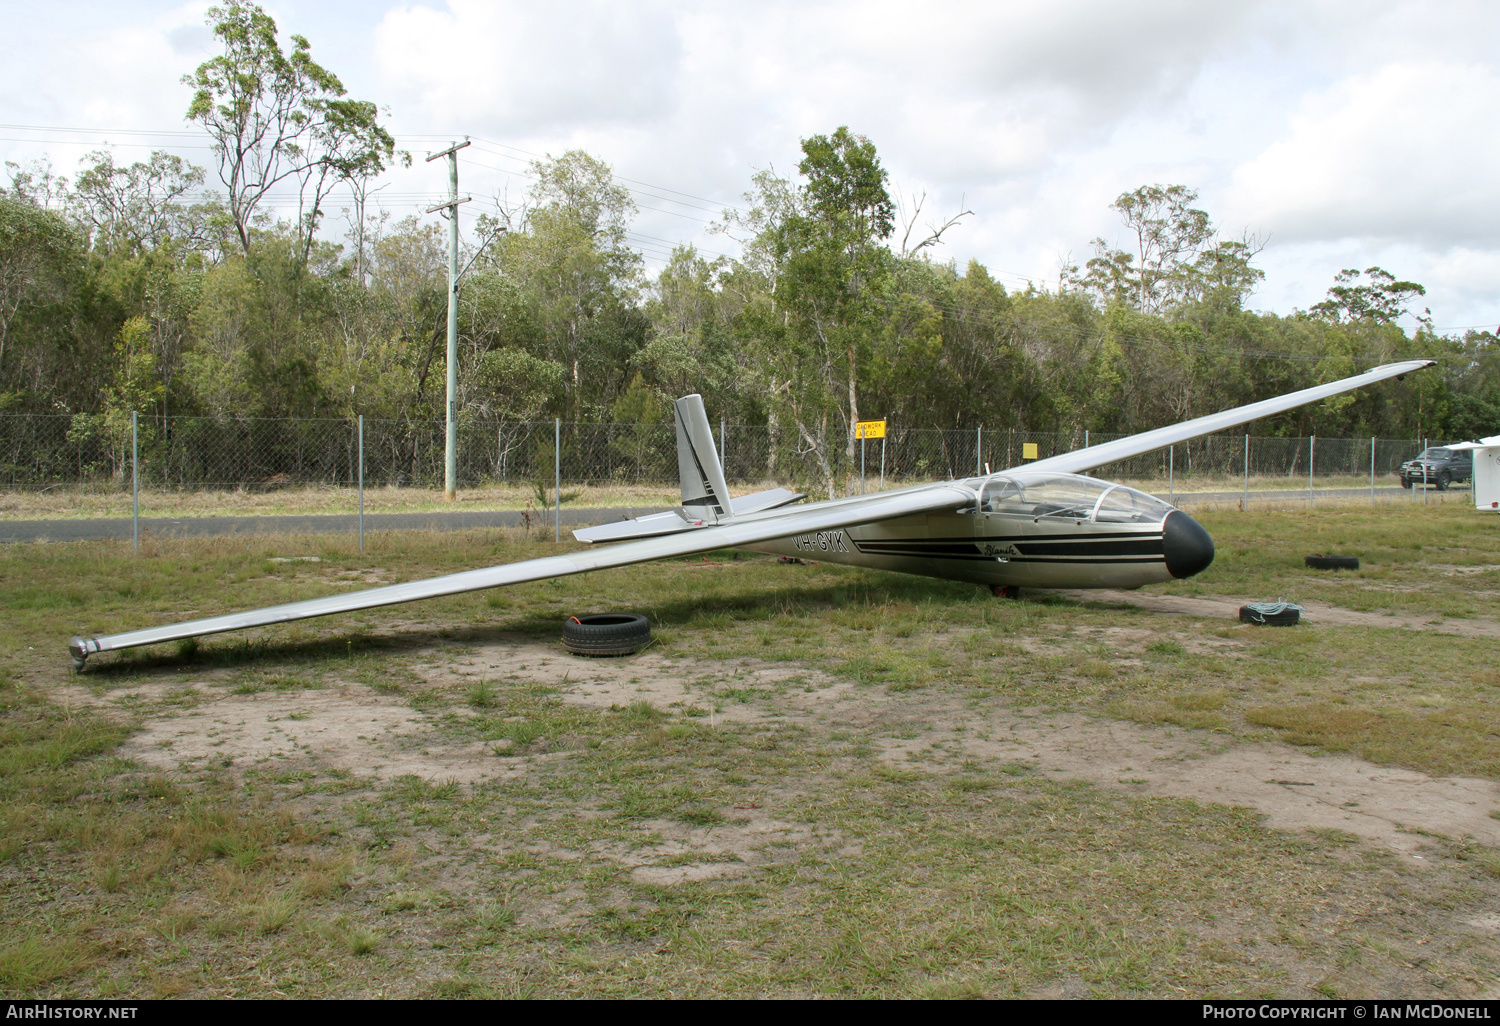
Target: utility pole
[450,462]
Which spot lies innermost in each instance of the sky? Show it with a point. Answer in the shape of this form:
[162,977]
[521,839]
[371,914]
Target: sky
[1340,134]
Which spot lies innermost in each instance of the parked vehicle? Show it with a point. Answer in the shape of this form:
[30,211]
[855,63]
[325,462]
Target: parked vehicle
[1437,465]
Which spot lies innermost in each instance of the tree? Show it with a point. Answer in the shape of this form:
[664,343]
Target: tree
[572,257]
[37,248]
[516,385]
[818,252]
[1382,300]
[935,232]
[1176,260]
[140,207]
[275,116]
[36,183]
[838,247]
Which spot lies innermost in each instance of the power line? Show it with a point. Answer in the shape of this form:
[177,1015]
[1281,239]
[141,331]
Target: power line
[633,181]
[642,206]
[98,131]
[106,142]
[185,133]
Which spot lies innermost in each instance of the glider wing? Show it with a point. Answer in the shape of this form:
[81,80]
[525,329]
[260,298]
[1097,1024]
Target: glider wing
[1079,460]
[748,530]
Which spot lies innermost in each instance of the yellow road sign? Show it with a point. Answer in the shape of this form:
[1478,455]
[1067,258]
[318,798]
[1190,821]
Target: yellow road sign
[870,429]
[1028,450]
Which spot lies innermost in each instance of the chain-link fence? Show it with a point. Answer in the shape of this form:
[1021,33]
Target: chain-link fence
[195,453]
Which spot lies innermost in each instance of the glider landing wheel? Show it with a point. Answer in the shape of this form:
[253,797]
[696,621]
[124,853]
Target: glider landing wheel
[1010,591]
[606,634]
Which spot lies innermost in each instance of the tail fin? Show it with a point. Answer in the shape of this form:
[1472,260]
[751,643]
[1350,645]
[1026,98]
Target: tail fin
[704,493]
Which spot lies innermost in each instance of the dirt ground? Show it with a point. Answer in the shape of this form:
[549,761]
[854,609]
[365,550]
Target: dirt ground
[1313,612]
[354,729]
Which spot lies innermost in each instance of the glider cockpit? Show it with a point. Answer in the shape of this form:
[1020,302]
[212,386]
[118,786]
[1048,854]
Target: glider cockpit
[1040,495]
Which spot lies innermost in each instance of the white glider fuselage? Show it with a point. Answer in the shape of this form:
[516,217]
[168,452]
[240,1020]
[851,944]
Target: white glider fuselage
[1027,530]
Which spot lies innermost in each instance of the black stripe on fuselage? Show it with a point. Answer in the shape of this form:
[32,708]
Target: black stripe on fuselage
[1077,547]
[1092,547]
[1000,539]
[1085,559]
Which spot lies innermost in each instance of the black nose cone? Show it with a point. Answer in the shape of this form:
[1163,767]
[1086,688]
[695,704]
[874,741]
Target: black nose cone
[1187,546]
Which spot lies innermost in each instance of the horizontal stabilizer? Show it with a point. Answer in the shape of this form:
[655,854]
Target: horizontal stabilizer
[770,499]
[671,522]
[649,526]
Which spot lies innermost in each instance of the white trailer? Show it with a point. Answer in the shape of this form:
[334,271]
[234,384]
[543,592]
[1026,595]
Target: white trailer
[1486,471]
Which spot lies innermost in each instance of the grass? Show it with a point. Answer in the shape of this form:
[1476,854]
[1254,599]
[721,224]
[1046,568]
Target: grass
[84,502]
[1437,561]
[649,850]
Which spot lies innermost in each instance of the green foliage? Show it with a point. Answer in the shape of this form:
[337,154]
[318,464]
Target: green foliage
[275,116]
[1177,260]
[134,290]
[1382,300]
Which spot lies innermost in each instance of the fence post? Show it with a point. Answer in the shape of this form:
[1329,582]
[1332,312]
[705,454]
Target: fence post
[361,482]
[1171,458]
[1311,445]
[1424,475]
[1372,471]
[882,463]
[724,448]
[557,474]
[1247,472]
[135,482]
[978,448]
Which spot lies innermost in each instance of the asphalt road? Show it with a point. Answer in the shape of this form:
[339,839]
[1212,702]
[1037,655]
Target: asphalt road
[347,523]
[344,523]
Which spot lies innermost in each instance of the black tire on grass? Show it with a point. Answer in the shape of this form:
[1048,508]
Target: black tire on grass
[1321,562]
[606,634]
[1285,618]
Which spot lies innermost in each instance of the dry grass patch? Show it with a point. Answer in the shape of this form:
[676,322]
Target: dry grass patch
[29,961]
[1458,740]
[1195,711]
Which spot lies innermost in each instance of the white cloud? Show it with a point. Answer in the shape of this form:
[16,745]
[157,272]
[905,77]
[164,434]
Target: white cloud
[1390,155]
[523,67]
[1352,133]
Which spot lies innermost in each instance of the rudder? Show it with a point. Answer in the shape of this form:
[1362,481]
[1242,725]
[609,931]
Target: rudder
[705,496]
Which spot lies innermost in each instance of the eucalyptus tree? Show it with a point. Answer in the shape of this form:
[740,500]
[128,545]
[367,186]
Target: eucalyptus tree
[819,246]
[1380,298]
[276,115]
[838,262]
[1177,258]
[41,259]
[142,205]
[692,348]
[572,257]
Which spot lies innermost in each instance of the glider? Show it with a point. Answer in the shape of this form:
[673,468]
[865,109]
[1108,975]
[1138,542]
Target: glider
[1040,525]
